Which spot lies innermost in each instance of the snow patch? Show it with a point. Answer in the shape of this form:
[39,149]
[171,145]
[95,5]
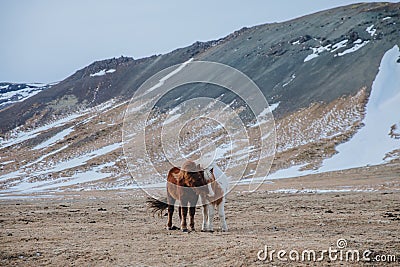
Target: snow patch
[78,178]
[274,106]
[309,57]
[45,156]
[169,75]
[102,72]
[136,108]
[291,79]
[318,191]
[81,160]
[290,172]
[371,30]
[56,138]
[7,162]
[172,118]
[339,45]
[20,137]
[371,143]
[330,48]
[261,118]
[353,49]
[317,51]
[63,165]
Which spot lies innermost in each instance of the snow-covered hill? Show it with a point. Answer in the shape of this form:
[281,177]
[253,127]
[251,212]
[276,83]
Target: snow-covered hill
[373,143]
[56,161]
[335,96]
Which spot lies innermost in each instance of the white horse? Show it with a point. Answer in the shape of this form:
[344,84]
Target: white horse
[219,188]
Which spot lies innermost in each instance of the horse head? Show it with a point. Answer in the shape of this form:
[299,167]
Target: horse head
[193,176]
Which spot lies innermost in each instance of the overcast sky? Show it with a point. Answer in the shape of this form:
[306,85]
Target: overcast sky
[48,40]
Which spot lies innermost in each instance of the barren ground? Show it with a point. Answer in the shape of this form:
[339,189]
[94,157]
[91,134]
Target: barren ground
[113,228]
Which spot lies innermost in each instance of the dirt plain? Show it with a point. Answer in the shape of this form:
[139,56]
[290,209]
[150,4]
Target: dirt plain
[114,228]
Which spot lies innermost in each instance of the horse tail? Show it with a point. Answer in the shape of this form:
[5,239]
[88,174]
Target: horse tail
[156,205]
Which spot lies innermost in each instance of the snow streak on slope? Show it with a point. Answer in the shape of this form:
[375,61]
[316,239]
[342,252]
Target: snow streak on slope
[53,140]
[65,165]
[371,143]
[78,178]
[162,80]
[19,137]
[102,72]
[330,48]
[371,30]
[79,161]
[358,44]
[52,163]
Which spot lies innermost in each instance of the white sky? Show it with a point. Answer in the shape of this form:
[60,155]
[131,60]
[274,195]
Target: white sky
[48,40]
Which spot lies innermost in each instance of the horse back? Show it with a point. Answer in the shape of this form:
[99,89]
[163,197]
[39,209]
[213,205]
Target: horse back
[173,179]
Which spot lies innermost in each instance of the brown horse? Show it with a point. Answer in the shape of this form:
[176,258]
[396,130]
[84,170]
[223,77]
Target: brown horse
[185,185]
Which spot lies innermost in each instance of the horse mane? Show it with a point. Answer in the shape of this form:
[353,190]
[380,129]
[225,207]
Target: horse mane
[208,174]
[191,175]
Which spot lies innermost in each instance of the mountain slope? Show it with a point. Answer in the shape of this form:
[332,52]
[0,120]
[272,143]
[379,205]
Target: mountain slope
[270,54]
[318,71]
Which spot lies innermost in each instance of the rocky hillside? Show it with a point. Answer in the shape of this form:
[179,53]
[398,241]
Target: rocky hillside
[319,57]
[324,75]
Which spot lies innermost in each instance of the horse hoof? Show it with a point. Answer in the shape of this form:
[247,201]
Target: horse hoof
[173,228]
[185,230]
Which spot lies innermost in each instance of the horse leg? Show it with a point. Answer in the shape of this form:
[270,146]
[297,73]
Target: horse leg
[205,225]
[184,212]
[171,203]
[221,213]
[210,217]
[204,209]
[192,210]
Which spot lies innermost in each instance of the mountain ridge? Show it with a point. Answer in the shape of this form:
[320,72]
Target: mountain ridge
[317,72]
[263,56]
